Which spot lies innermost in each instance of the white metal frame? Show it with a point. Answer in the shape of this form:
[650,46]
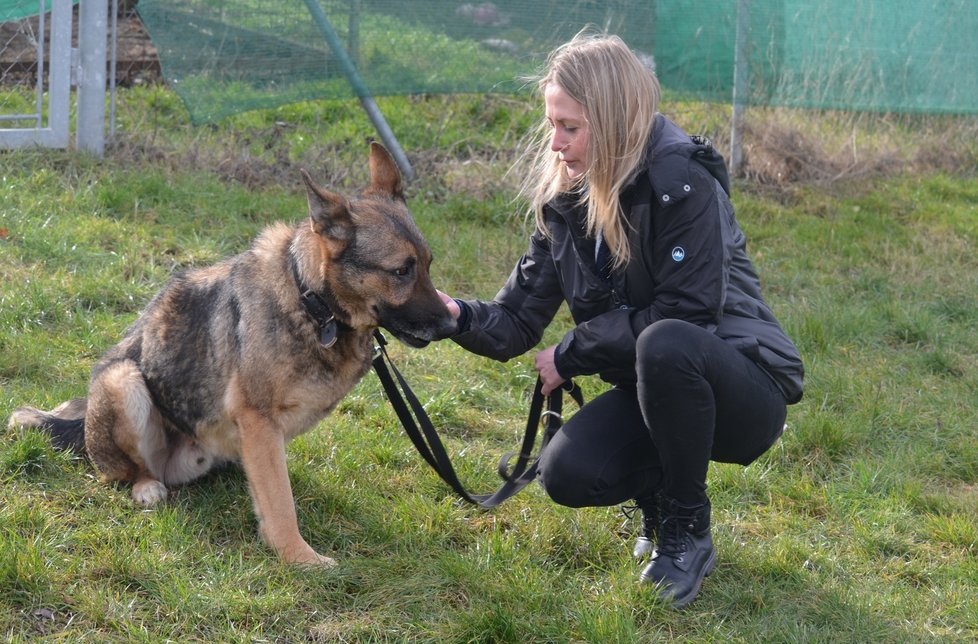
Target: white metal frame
[54,133]
[87,65]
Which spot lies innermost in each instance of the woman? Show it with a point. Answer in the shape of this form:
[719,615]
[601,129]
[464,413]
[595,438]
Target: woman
[639,238]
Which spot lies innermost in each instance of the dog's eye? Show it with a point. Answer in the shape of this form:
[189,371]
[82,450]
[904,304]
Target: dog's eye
[403,271]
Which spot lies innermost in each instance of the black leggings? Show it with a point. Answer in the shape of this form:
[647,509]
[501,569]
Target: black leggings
[697,399]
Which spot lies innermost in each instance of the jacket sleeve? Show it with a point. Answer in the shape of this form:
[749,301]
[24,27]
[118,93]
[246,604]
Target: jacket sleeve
[688,264]
[513,322]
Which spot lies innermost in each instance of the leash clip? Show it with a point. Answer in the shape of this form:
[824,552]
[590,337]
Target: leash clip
[380,342]
[550,412]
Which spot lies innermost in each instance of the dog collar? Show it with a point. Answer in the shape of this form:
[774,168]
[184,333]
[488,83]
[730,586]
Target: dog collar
[317,309]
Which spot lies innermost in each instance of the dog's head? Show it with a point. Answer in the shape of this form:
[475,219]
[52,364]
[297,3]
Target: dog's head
[375,260]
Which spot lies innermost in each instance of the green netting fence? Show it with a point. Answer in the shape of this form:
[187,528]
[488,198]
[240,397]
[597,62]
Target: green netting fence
[17,9]
[227,56]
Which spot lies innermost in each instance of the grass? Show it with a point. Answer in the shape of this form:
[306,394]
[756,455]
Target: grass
[860,525]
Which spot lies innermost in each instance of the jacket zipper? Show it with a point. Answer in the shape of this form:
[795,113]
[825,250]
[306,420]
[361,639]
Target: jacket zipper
[617,300]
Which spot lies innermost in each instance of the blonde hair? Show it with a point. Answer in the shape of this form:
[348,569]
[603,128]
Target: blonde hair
[620,97]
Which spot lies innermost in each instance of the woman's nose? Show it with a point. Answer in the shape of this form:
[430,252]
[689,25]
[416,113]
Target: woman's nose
[557,142]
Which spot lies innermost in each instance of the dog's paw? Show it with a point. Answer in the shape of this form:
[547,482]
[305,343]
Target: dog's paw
[148,492]
[309,558]
[314,560]
[324,562]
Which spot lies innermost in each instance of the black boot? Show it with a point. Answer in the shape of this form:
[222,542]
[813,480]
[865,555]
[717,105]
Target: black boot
[645,543]
[684,554]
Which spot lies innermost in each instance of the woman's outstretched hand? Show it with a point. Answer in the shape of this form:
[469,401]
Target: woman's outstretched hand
[450,303]
[543,362]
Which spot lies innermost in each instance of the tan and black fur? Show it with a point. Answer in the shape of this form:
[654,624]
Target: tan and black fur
[226,363]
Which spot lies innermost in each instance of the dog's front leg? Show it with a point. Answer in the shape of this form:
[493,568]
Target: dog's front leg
[263,457]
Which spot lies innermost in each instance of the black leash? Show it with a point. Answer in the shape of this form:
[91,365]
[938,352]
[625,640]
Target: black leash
[422,433]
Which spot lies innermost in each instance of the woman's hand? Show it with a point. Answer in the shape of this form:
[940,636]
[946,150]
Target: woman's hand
[544,364]
[450,304]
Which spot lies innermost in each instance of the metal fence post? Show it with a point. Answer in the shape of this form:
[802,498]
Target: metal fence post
[93,18]
[366,99]
[741,84]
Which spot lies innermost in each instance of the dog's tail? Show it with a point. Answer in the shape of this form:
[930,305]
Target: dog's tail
[65,423]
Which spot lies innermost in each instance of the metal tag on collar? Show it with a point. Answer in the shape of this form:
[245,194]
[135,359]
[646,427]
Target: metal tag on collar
[327,333]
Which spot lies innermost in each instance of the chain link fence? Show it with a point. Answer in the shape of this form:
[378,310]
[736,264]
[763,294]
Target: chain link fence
[137,61]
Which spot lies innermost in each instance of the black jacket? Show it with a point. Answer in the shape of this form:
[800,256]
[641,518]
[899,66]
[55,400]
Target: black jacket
[689,261]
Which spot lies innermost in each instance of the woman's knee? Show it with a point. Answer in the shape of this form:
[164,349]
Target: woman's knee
[667,344]
[565,481]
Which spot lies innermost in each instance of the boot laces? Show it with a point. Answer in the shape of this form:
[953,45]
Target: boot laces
[649,522]
[674,536]
[630,510]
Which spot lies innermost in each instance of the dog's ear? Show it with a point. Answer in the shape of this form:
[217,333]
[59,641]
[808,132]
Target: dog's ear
[385,178]
[330,212]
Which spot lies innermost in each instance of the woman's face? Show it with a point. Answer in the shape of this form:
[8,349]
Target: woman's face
[569,129]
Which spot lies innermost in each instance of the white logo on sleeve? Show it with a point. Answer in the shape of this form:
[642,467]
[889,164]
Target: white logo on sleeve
[678,254]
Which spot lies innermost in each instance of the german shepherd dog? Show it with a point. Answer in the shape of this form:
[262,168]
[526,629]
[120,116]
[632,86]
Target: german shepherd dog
[230,362]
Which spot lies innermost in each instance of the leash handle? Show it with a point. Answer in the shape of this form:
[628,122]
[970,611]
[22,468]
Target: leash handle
[417,425]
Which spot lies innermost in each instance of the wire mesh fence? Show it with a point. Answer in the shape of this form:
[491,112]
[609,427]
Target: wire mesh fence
[25,47]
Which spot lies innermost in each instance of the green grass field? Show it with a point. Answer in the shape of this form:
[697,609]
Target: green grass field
[860,525]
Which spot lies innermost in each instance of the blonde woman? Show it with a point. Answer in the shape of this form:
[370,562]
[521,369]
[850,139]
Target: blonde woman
[636,233]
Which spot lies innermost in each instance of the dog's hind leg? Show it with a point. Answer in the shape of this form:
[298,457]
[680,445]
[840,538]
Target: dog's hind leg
[263,457]
[124,434]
